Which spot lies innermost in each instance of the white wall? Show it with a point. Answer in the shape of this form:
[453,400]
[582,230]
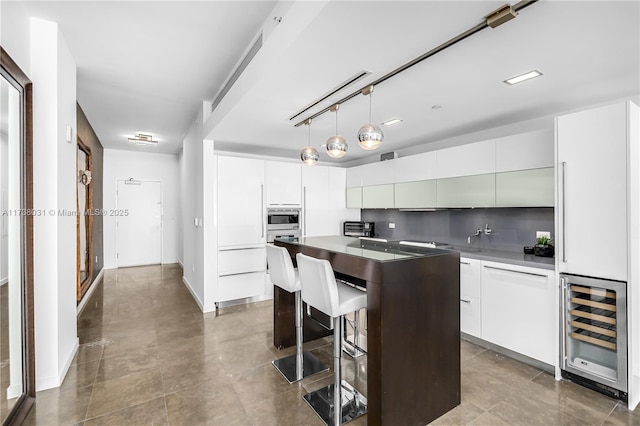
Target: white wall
[15,33]
[192,184]
[53,73]
[122,165]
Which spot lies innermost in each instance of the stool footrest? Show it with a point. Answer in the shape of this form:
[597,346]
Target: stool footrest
[310,365]
[354,404]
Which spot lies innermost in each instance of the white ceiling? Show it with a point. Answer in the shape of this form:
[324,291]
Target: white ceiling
[147,66]
[589,52]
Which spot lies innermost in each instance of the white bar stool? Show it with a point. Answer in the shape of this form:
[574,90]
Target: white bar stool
[303,363]
[339,402]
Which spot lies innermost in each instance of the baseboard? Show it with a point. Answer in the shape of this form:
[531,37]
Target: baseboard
[56,381]
[193,294]
[181,265]
[87,295]
[14,391]
[4,281]
[509,353]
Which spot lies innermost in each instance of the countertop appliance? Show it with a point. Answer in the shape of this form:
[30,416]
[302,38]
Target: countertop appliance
[358,229]
[283,223]
[594,333]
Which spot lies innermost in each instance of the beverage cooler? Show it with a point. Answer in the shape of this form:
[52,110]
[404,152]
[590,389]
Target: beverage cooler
[594,333]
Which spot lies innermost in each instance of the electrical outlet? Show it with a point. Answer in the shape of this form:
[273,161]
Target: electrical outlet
[543,234]
[392,225]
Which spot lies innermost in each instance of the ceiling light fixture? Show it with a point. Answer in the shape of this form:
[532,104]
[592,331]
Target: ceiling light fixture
[523,77]
[142,139]
[494,19]
[309,155]
[336,145]
[369,136]
[392,122]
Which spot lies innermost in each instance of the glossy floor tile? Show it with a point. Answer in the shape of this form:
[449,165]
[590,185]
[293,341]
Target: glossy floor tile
[148,356]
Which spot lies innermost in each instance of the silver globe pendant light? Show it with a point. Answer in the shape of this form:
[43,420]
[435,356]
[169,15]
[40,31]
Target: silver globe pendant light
[309,155]
[336,145]
[369,136]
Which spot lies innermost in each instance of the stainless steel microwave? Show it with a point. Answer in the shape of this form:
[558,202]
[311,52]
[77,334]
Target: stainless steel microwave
[283,219]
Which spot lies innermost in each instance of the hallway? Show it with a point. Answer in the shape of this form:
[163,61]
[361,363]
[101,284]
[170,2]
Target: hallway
[149,356]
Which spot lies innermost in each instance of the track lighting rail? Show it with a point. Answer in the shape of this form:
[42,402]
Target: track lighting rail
[489,21]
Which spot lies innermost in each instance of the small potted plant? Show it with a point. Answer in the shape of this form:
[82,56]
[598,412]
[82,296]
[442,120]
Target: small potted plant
[543,247]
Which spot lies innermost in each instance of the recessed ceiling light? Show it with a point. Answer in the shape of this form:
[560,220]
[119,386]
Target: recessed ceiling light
[392,122]
[523,77]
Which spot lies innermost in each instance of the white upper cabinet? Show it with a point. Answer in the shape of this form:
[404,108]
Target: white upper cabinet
[415,167]
[354,176]
[379,173]
[473,159]
[592,192]
[532,150]
[240,201]
[315,201]
[338,211]
[283,184]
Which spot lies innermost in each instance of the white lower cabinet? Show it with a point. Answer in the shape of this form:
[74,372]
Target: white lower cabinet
[519,309]
[241,273]
[470,310]
[241,286]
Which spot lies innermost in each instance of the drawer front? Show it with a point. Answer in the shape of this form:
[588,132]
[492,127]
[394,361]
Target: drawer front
[469,278]
[241,286]
[241,261]
[470,316]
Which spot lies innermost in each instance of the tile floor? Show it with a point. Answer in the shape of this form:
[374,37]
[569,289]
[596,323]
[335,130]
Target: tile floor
[148,356]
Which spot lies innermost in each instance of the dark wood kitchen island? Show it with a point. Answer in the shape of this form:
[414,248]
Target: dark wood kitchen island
[413,335]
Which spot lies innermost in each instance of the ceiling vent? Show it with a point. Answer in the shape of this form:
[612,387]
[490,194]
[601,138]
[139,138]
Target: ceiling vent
[238,72]
[348,82]
[388,156]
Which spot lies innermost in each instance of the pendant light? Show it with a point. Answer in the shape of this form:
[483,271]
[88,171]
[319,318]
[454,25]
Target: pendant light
[309,155]
[336,145]
[369,136]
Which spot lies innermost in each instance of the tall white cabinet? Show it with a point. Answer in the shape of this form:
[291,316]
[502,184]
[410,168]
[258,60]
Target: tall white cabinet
[598,207]
[592,193]
[241,229]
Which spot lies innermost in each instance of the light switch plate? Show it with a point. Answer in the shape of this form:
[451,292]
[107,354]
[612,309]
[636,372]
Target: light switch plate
[543,234]
[392,225]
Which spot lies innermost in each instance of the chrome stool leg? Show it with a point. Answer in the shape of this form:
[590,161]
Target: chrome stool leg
[339,402]
[353,348]
[302,364]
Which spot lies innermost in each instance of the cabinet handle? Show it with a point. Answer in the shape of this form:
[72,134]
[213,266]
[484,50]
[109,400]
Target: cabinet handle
[465,263]
[564,208]
[262,210]
[304,209]
[516,272]
[465,300]
[563,316]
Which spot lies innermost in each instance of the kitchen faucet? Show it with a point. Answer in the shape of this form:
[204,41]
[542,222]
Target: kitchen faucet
[486,231]
[477,234]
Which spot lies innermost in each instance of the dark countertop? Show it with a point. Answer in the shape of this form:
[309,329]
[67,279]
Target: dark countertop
[383,251]
[512,258]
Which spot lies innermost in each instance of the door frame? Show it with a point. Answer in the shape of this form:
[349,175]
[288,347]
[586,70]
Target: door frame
[118,180]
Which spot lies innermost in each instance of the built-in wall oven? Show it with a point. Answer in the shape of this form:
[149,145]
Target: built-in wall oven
[594,333]
[283,223]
